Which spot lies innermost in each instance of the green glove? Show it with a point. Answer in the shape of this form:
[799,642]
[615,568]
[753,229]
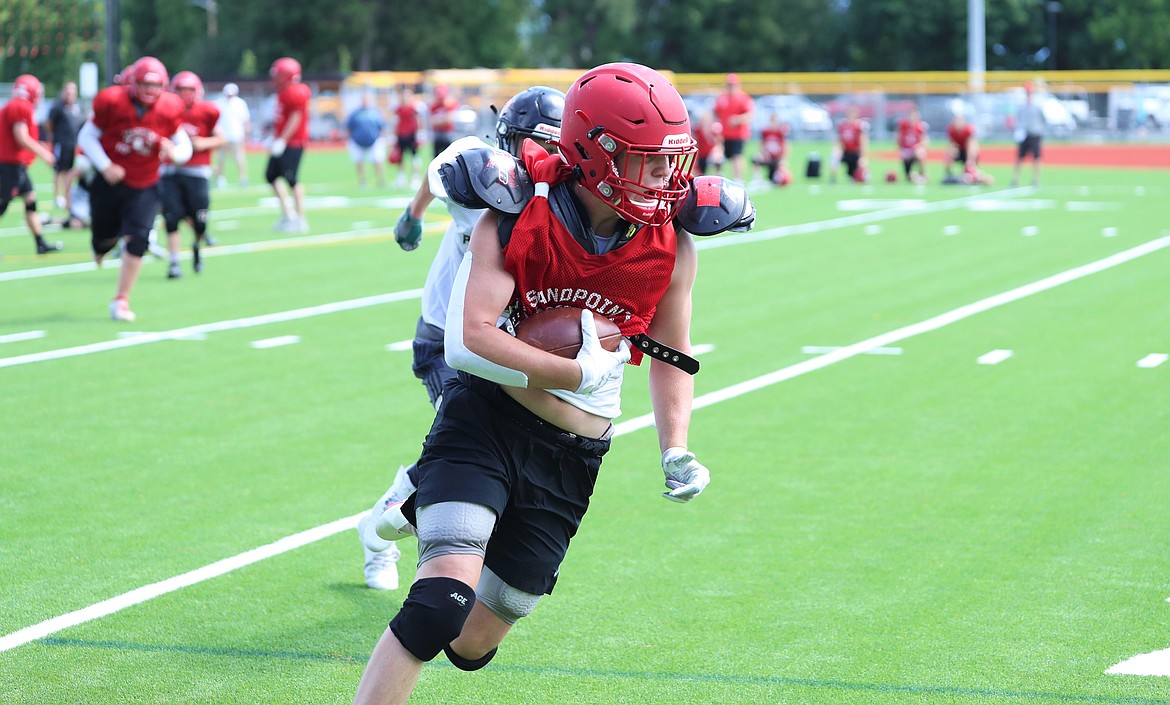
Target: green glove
[408,231]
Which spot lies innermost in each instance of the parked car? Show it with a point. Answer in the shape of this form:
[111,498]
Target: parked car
[871,107]
[802,115]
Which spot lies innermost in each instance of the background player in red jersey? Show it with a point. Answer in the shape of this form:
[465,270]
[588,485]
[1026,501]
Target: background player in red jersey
[18,148]
[509,465]
[773,155]
[912,143]
[134,126]
[442,118]
[186,189]
[291,133]
[734,110]
[852,145]
[962,146]
[406,126]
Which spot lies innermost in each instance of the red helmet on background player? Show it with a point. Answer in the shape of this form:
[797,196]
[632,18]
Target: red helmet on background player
[29,87]
[284,71]
[618,118]
[188,86]
[146,79]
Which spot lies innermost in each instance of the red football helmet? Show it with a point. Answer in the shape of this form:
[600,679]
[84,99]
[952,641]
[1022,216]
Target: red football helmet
[146,80]
[619,121]
[284,71]
[28,87]
[188,86]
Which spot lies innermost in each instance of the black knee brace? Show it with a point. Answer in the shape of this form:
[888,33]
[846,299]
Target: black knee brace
[432,615]
[30,206]
[464,664]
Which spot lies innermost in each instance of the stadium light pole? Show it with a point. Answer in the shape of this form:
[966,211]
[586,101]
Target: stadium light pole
[212,8]
[1052,8]
[113,38]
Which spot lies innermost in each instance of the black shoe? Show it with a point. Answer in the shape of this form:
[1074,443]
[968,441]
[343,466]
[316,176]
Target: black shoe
[44,248]
[196,260]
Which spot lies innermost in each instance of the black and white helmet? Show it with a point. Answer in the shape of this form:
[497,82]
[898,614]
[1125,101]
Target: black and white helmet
[533,112]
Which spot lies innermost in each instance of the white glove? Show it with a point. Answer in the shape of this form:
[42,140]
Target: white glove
[277,147]
[685,476]
[598,365]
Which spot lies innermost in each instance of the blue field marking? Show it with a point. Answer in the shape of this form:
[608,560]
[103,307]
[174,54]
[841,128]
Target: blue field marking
[822,684]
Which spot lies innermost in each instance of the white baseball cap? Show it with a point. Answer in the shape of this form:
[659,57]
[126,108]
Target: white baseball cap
[231,89]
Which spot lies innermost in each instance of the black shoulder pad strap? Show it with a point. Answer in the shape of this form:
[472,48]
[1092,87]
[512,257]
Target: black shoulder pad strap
[715,205]
[487,178]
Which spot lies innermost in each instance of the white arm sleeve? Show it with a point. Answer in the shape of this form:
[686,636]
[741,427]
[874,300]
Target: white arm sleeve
[89,139]
[456,353]
[183,147]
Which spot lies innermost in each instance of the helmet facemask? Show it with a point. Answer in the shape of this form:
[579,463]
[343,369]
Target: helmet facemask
[646,184]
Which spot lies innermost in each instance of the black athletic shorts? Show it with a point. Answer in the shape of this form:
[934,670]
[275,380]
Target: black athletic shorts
[1030,145]
[285,166]
[486,448]
[118,211]
[14,182]
[63,153]
[733,148]
[184,196]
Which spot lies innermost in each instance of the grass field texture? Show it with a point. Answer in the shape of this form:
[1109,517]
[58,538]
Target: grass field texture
[896,515]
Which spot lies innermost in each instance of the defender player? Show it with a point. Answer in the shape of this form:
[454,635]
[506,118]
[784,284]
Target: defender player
[511,460]
[186,189]
[532,113]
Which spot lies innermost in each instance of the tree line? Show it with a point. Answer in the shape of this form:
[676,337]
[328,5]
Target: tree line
[240,38]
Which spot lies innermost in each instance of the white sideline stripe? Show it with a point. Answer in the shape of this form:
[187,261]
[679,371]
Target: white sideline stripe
[400,345]
[17,337]
[702,244]
[275,342]
[818,349]
[850,220]
[1153,360]
[1155,663]
[994,357]
[149,592]
[114,604]
[910,331]
[189,331]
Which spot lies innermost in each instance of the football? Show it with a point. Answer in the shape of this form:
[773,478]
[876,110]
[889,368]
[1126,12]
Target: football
[558,331]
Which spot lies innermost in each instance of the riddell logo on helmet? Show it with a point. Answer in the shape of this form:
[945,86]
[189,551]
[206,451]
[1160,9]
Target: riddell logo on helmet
[683,140]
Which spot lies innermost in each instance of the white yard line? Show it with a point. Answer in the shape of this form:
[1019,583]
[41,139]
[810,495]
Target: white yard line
[189,331]
[114,604]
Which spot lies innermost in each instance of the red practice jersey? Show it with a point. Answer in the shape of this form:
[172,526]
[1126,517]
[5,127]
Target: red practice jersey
[728,105]
[407,120]
[131,140]
[443,115]
[552,269]
[850,132]
[199,121]
[294,98]
[960,136]
[911,134]
[17,110]
[773,142]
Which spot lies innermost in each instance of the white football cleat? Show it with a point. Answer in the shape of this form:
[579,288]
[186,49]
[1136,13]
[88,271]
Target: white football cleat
[120,311]
[381,568]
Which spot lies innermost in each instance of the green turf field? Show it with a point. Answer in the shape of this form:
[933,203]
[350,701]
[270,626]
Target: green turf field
[890,521]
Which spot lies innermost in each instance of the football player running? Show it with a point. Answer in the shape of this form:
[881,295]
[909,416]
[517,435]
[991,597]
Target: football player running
[186,189]
[532,113]
[18,148]
[512,457]
[133,127]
